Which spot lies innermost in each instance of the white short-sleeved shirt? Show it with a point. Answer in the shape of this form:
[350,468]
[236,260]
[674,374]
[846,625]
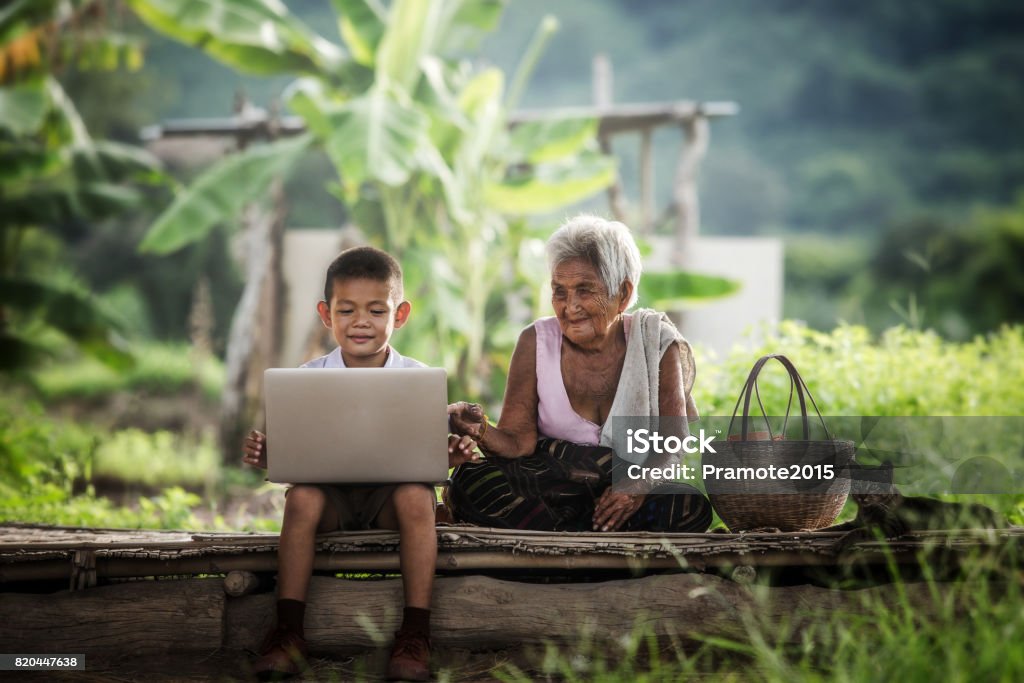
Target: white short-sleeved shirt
[334,360]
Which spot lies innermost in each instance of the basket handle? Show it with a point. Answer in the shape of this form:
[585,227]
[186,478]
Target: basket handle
[799,380]
[750,386]
[797,383]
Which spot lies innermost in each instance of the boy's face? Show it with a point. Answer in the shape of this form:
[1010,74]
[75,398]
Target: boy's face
[361,315]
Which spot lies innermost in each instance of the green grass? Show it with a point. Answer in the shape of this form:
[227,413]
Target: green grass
[971,630]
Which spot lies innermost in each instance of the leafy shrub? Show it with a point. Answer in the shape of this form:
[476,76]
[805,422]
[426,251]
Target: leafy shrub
[159,458]
[901,373]
[160,368]
[36,450]
[41,459]
[51,504]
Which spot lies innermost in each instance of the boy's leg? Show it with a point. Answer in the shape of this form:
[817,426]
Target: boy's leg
[410,509]
[307,512]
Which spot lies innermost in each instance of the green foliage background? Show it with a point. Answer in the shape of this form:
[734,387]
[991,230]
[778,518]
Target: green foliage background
[879,138]
[879,142]
[850,372]
[851,116]
[859,124]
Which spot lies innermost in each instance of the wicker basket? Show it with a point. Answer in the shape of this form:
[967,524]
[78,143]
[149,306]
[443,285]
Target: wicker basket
[790,505]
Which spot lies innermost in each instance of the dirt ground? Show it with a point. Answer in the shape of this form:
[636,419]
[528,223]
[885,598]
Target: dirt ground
[449,665]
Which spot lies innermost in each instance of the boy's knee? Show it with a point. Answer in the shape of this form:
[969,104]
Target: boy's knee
[414,501]
[305,499]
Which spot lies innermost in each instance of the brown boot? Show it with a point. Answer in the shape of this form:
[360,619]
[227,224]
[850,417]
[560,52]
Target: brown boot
[282,655]
[410,657]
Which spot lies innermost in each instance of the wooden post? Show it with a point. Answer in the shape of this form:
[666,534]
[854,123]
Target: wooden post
[646,182]
[684,192]
[684,198]
[602,93]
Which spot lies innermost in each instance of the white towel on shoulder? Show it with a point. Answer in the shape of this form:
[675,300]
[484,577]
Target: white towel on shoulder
[651,333]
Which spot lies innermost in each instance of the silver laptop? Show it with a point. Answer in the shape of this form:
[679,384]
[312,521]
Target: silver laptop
[356,425]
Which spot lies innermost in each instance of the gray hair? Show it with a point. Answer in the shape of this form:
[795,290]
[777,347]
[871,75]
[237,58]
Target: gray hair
[607,245]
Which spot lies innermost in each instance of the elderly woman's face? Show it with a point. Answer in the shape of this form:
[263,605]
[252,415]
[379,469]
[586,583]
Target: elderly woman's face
[582,304]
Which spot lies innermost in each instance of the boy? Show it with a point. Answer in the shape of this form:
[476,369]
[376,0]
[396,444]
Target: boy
[363,305]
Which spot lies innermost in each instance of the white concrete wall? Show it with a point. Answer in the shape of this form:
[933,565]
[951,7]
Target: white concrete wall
[757,262]
[307,253]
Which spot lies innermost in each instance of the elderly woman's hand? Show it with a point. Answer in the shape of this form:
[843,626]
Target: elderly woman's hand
[613,509]
[466,419]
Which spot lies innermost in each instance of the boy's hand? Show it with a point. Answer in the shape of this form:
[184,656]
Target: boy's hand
[466,419]
[254,450]
[461,449]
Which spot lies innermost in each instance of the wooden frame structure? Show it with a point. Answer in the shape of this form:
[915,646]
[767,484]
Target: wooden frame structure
[683,594]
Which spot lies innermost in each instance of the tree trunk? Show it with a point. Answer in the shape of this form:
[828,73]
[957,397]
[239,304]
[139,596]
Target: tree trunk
[254,336]
[142,617]
[475,612]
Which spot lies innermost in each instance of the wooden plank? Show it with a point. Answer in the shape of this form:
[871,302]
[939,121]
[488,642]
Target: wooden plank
[18,534]
[463,549]
[143,617]
[613,119]
[632,118]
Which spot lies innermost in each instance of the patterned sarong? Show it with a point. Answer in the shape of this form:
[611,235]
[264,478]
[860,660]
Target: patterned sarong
[556,488]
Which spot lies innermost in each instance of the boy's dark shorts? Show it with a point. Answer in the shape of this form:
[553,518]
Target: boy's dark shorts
[358,507]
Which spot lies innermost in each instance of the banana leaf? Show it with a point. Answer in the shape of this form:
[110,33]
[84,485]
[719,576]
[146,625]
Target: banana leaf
[678,290]
[549,187]
[361,24]
[220,192]
[73,313]
[376,136]
[254,36]
[553,139]
[23,107]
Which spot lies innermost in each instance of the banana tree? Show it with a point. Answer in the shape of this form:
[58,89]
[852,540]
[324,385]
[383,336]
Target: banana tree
[52,174]
[419,139]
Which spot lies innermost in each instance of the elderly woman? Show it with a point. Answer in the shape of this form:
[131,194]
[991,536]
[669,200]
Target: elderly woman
[550,461]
